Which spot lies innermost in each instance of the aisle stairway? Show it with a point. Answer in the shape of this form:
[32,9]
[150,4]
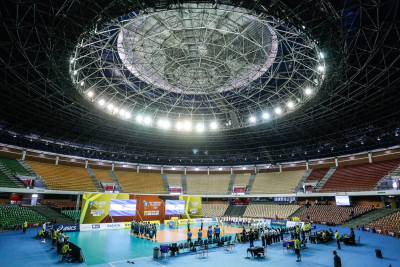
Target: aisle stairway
[294,214]
[325,179]
[96,182]
[51,214]
[235,211]
[369,217]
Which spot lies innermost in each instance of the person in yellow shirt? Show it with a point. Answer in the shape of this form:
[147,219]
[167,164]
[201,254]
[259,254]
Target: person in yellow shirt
[24,226]
[337,237]
[324,236]
[297,249]
[65,251]
[297,232]
[54,239]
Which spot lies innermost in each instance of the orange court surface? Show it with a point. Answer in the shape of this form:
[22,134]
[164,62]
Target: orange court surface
[169,235]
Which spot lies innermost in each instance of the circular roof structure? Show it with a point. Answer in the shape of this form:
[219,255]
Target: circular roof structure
[210,84]
[198,65]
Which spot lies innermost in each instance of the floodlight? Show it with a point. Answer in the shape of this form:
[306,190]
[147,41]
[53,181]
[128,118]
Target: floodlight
[173,168]
[116,110]
[308,91]
[303,27]
[214,125]
[278,110]
[220,169]
[127,115]
[89,93]
[290,104]
[252,119]
[321,54]
[321,68]
[82,83]
[200,127]
[179,126]
[244,168]
[265,115]
[101,102]
[72,60]
[147,120]
[188,125]
[122,112]
[110,107]
[196,168]
[160,123]
[149,167]
[139,118]
[167,124]
[75,72]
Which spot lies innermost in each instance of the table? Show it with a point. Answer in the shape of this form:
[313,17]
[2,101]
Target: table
[256,251]
[314,238]
[288,244]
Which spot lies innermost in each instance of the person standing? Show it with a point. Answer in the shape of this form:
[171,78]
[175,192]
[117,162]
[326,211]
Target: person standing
[209,232]
[217,231]
[54,236]
[189,236]
[188,225]
[60,243]
[199,235]
[337,237]
[24,226]
[263,238]
[297,249]
[202,225]
[336,260]
[251,238]
[155,232]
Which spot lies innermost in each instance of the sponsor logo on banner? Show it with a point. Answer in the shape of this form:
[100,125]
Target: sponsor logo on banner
[278,222]
[95,226]
[67,227]
[114,225]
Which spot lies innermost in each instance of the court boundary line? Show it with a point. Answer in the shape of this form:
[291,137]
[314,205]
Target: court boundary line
[111,263]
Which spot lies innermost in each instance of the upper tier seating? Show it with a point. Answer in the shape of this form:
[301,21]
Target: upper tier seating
[59,177]
[361,177]
[133,182]
[6,182]
[242,179]
[276,182]
[332,214]
[317,175]
[63,204]
[15,215]
[270,211]
[174,180]
[13,166]
[213,210]
[103,176]
[207,184]
[390,223]
[72,214]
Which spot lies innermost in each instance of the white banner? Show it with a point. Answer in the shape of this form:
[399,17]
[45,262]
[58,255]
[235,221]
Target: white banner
[101,226]
[294,223]
[267,221]
[205,220]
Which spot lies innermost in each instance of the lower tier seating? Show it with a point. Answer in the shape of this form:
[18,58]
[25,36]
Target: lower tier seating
[213,210]
[332,214]
[13,215]
[390,223]
[270,211]
[72,214]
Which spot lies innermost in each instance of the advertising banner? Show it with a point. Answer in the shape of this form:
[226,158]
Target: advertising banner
[267,221]
[294,223]
[101,226]
[192,206]
[67,227]
[278,222]
[100,207]
[205,220]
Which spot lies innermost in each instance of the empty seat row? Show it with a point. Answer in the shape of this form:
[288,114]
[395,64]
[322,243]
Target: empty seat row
[214,210]
[270,211]
[276,182]
[332,214]
[390,223]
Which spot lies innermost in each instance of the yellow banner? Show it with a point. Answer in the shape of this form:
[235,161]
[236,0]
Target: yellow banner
[129,224]
[192,205]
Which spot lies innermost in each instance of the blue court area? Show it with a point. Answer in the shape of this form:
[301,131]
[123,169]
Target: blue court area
[116,247]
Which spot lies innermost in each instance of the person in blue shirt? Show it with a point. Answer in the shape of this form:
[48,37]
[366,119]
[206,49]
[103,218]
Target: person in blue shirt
[209,232]
[217,231]
[155,232]
[199,235]
[189,236]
